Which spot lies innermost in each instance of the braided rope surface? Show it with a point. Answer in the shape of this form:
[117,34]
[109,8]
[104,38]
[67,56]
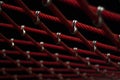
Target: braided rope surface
[59,40]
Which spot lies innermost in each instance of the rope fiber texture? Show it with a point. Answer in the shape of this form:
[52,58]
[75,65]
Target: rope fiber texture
[58,40]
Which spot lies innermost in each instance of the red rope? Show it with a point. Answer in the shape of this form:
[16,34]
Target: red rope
[80,51]
[63,36]
[58,61]
[50,33]
[107,14]
[94,17]
[60,70]
[47,76]
[30,58]
[53,8]
[34,42]
[63,19]
[44,27]
[55,19]
[10,60]
[53,63]
[59,56]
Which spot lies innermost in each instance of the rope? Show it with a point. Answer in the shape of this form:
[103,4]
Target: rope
[94,17]
[68,64]
[53,8]
[106,14]
[55,19]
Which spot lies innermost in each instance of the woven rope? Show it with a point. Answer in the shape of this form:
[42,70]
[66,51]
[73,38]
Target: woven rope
[36,52]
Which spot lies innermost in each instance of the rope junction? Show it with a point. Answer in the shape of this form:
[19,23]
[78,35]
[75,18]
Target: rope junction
[43,46]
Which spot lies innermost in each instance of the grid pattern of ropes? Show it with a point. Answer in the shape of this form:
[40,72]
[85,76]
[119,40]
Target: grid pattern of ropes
[46,45]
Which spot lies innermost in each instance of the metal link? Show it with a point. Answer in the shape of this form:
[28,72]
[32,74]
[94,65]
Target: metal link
[68,64]
[88,61]
[23,30]
[46,2]
[119,37]
[74,26]
[1,2]
[75,50]
[100,20]
[37,17]
[12,42]
[28,54]
[41,63]
[18,62]
[77,71]
[42,46]
[56,55]
[58,37]
[118,63]
[97,67]
[94,45]
[3,51]
[108,57]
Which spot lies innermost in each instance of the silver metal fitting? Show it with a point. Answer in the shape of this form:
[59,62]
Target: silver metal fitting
[74,26]
[58,37]
[1,2]
[42,46]
[77,71]
[100,8]
[28,54]
[119,37]
[75,50]
[18,62]
[68,64]
[12,42]
[94,45]
[97,67]
[23,29]
[108,57]
[37,17]
[46,2]
[56,55]
[3,51]
[88,61]
[41,63]
[100,20]
[52,70]
[118,63]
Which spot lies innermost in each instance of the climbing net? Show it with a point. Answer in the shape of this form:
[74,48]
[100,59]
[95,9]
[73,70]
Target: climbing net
[46,45]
